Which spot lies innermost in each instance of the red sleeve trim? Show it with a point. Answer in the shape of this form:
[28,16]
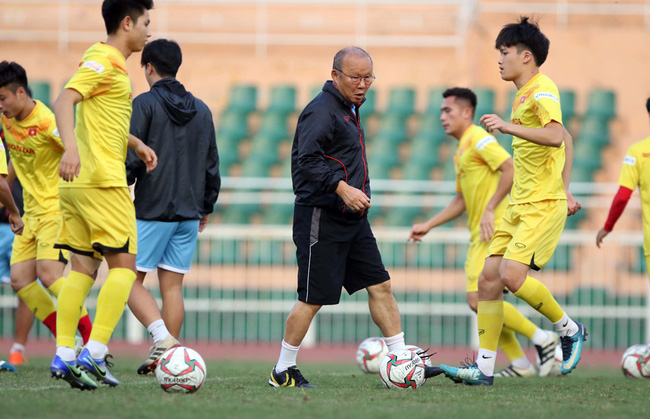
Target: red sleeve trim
[618,205]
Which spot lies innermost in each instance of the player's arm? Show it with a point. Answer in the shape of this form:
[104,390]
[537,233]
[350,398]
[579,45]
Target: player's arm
[618,206]
[212,180]
[572,205]
[11,174]
[453,210]
[7,200]
[551,135]
[504,186]
[64,114]
[146,153]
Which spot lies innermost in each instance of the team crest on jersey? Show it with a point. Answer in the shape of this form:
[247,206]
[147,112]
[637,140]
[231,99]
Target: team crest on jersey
[94,66]
[347,118]
[32,132]
[523,99]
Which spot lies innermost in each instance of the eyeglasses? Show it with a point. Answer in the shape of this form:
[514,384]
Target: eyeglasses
[356,79]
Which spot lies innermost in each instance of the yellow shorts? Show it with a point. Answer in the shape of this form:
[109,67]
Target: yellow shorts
[530,232]
[37,240]
[476,255]
[97,220]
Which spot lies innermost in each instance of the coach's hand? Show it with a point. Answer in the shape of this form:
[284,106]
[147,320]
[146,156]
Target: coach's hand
[70,165]
[354,198]
[573,206]
[147,155]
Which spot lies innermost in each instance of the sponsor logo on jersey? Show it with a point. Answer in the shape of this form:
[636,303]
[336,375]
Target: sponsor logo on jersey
[516,121]
[20,149]
[629,160]
[548,95]
[94,66]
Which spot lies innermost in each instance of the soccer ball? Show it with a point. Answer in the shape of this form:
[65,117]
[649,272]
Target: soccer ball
[421,353]
[402,369]
[635,362]
[370,354]
[556,369]
[181,370]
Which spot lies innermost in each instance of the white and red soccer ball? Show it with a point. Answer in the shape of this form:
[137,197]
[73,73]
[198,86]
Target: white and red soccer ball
[402,368]
[635,362]
[181,370]
[370,354]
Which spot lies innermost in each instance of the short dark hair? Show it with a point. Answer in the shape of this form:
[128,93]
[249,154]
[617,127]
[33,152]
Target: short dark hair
[647,105]
[13,76]
[164,55]
[525,35]
[462,93]
[338,58]
[114,11]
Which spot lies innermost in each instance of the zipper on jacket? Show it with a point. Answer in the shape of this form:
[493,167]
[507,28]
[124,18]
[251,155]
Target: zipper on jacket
[365,167]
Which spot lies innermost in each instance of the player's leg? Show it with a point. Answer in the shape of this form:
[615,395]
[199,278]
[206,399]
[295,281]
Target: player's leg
[519,366]
[541,226]
[28,289]
[385,314]
[173,308]
[23,324]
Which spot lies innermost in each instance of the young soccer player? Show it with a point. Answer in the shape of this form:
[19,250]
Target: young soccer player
[484,172]
[634,172]
[173,203]
[98,214]
[539,203]
[35,149]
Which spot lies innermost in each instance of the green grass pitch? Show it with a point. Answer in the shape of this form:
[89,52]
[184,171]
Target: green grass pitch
[240,390]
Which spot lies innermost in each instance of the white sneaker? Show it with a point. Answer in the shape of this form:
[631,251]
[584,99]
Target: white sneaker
[156,352]
[546,353]
[512,371]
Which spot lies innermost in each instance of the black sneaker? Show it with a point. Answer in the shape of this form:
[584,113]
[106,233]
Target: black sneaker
[289,378]
[430,372]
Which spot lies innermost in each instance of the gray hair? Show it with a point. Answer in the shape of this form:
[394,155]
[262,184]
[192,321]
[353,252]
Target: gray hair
[338,58]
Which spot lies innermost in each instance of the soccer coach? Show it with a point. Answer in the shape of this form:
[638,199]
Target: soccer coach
[335,245]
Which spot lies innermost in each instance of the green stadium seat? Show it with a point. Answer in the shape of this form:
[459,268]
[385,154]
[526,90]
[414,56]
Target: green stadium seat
[416,171]
[393,128]
[369,107]
[402,216]
[239,213]
[278,214]
[568,101]
[274,126]
[434,100]
[601,103]
[586,154]
[401,101]
[41,91]
[596,129]
[425,153]
[233,124]
[243,98]
[581,174]
[282,99]
[430,126]
[256,166]
[449,171]
[484,102]
[378,170]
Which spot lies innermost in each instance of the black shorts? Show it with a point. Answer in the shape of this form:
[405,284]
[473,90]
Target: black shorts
[334,251]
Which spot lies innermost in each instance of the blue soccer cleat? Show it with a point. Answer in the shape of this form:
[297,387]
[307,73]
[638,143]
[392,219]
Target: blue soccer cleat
[71,373]
[469,375]
[571,348]
[97,367]
[5,366]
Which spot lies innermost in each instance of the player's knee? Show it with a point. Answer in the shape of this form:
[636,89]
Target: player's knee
[383,289]
[18,282]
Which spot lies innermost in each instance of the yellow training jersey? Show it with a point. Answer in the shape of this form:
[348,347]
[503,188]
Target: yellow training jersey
[3,157]
[103,117]
[35,150]
[538,168]
[477,160]
[636,172]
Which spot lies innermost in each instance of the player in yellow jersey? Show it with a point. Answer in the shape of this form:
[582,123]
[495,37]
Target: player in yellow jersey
[634,172]
[539,203]
[35,149]
[484,172]
[98,214]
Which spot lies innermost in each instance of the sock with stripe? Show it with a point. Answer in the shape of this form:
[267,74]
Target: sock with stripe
[539,297]
[395,342]
[41,304]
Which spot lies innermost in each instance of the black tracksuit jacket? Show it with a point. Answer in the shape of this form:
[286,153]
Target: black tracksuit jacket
[329,146]
[179,128]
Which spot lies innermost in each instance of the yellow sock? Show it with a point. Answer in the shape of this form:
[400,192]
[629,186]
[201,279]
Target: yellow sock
[110,303]
[490,323]
[71,298]
[38,300]
[55,289]
[510,345]
[513,319]
[539,297]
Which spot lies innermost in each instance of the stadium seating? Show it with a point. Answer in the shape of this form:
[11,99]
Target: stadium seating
[401,101]
[41,91]
[601,103]
[282,99]
[243,98]
[484,103]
